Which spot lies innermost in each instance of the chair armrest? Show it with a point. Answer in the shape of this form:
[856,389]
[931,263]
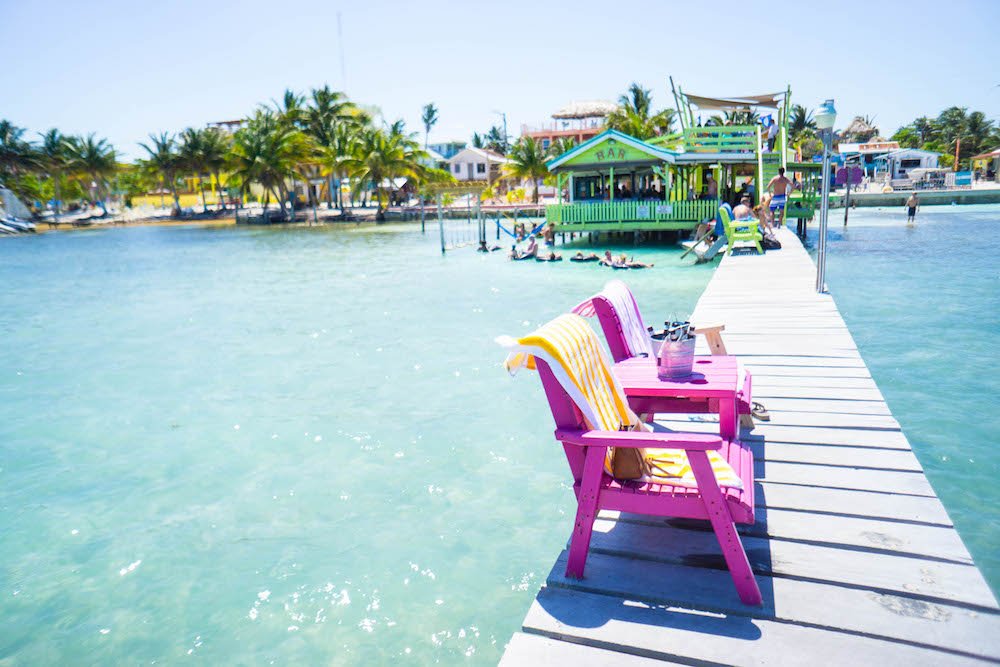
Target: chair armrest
[690,441]
[708,328]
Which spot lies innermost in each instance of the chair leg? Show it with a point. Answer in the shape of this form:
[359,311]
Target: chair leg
[586,511]
[725,531]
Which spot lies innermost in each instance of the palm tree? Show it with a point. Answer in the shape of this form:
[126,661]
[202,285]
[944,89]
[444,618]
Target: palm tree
[324,118]
[267,151]
[634,115]
[978,133]
[190,155]
[94,158]
[16,153]
[385,154]
[215,146]
[291,109]
[53,155]
[337,156]
[430,119]
[164,161]
[527,160]
[800,123]
[561,145]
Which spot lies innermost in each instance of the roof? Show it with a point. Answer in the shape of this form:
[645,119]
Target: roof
[904,151]
[982,156]
[868,147]
[735,103]
[654,152]
[586,109]
[487,155]
[434,155]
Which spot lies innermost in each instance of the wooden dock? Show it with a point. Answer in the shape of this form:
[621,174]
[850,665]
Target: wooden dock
[855,555]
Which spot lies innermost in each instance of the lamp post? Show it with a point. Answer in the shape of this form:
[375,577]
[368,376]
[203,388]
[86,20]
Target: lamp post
[825,116]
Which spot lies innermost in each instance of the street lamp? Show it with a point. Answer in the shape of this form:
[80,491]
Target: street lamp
[825,116]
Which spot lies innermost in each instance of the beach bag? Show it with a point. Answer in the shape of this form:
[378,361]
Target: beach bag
[627,462]
[771,243]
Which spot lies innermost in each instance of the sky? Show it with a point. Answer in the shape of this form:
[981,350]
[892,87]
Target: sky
[127,69]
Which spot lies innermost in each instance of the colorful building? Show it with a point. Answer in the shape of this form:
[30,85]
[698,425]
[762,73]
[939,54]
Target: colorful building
[615,182]
[578,121]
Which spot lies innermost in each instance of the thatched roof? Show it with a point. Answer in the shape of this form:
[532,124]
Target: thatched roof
[859,128]
[586,109]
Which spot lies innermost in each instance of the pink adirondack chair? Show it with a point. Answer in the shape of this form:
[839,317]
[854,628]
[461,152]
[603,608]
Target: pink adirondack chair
[586,450]
[618,312]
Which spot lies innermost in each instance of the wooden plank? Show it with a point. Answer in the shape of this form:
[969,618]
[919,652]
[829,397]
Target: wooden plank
[845,502]
[854,457]
[689,637]
[539,651]
[879,570]
[772,432]
[862,533]
[815,405]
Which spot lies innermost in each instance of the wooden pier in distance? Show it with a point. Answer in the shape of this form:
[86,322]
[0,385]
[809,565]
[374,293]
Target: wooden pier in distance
[856,557]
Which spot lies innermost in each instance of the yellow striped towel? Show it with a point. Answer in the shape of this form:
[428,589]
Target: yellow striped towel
[580,364]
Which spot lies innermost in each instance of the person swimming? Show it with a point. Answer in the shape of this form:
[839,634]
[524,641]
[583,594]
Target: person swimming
[580,257]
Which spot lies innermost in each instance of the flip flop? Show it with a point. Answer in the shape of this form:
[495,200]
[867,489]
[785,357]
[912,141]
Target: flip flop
[760,412]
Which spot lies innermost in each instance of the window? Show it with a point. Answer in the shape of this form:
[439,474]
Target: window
[545,144]
[458,168]
[480,168]
[910,163]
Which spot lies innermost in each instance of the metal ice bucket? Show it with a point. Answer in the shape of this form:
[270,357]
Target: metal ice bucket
[674,359]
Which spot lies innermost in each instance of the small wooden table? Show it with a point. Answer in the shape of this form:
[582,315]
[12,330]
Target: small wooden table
[711,387]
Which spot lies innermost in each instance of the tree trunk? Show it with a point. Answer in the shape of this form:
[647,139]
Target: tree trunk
[177,200]
[219,192]
[97,192]
[58,198]
[204,201]
[535,194]
[329,191]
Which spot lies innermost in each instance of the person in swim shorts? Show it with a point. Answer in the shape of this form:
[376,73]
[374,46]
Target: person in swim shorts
[911,208]
[779,186]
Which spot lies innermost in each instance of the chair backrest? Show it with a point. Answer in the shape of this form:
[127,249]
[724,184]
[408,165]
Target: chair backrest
[621,321]
[576,374]
[727,216]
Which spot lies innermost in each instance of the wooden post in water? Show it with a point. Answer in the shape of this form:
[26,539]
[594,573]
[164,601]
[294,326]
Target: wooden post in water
[440,222]
[847,197]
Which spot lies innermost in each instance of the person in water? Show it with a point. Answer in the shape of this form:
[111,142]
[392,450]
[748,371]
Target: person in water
[632,264]
[608,260]
[532,249]
[580,257]
[912,204]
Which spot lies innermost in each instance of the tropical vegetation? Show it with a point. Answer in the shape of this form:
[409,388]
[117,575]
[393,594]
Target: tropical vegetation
[635,115]
[955,127]
[319,137]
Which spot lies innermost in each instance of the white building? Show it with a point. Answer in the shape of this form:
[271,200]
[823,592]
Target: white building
[476,164]
[899,162]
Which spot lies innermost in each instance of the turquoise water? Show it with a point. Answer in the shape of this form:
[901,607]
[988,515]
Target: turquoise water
[277,445]
[923,304]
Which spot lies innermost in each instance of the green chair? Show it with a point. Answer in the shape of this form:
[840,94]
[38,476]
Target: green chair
[739,231]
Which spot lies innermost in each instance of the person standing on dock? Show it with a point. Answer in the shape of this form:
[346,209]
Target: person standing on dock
[912,204]
[779,187]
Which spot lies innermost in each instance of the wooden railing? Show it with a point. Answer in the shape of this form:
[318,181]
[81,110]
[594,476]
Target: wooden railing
[721,139]
[631,211]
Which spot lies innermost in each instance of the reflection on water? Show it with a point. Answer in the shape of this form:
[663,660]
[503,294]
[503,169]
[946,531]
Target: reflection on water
[294,445]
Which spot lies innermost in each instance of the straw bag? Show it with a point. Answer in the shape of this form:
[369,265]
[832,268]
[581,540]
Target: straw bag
[627,462]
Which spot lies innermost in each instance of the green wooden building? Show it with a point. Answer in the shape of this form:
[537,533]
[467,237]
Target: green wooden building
[615,182]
